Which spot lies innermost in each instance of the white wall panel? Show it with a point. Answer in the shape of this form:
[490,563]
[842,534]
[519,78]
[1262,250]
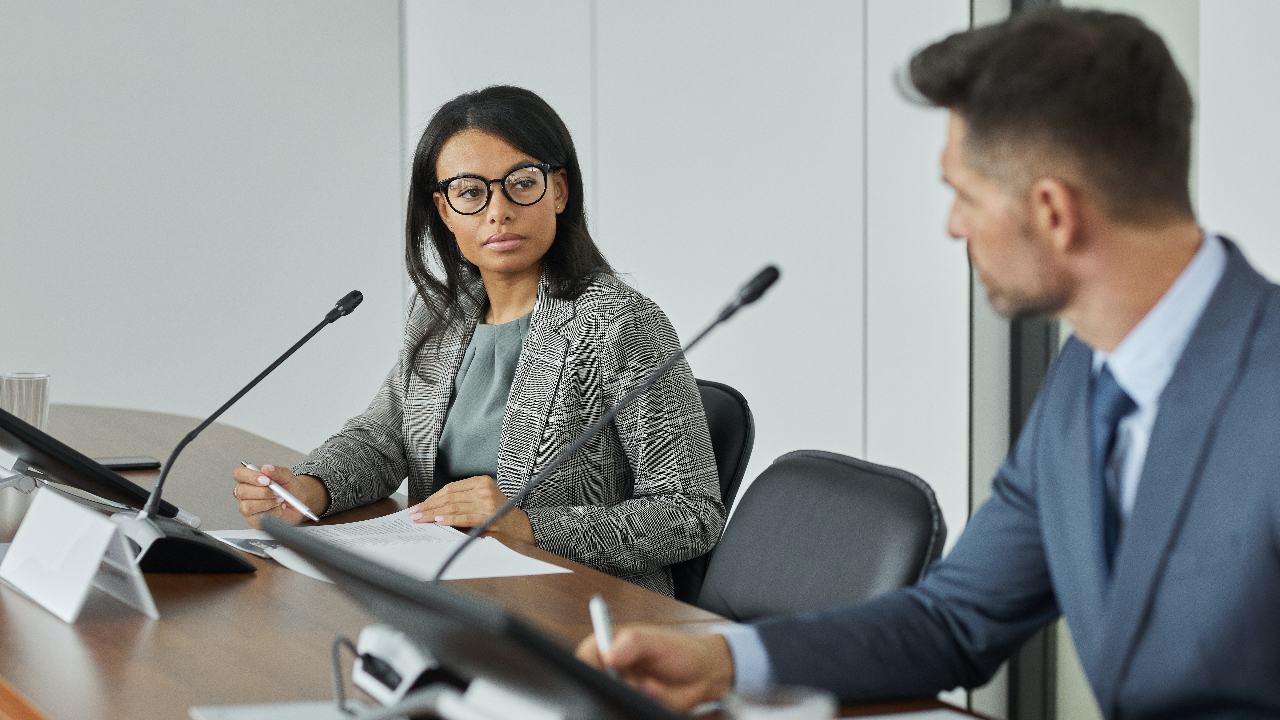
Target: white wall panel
[917,278]
[187,187]
[730,137]
[1238,106]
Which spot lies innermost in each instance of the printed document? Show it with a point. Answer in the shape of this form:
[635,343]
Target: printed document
[939,714]
[394,529]
[415,549]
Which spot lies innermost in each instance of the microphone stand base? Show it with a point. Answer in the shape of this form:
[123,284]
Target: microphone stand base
[165,545]
[22,483]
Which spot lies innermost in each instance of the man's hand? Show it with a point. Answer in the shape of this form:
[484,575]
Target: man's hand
[678,670]
[468,503]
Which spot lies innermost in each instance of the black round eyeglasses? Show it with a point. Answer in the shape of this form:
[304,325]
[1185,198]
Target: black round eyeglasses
[524,185]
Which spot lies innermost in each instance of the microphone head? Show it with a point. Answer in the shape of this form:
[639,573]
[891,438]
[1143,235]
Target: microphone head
[345,305]
[353,299]
[752,291]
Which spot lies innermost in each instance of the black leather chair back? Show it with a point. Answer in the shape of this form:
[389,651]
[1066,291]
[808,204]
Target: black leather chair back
[733,433]
[818,530]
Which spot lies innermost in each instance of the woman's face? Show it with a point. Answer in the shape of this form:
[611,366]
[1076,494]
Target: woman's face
[504,239]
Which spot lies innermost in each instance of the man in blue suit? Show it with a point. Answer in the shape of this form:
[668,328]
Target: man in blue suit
[1142,499]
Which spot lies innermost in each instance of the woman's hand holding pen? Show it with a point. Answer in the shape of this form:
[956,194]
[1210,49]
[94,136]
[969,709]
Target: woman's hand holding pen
[256,498]
[468,503]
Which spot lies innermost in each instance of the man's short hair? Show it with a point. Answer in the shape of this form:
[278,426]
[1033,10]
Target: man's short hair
[1097,91]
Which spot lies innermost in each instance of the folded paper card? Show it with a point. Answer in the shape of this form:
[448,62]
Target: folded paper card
[64,551]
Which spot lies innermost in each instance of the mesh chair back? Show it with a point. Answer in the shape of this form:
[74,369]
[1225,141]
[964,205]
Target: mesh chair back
[818,530]
[733,433]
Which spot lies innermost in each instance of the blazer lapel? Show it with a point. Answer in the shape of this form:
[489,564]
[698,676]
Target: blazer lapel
[1069,507]
[1190,408]
[1075,540]
[533,391]
[430,386]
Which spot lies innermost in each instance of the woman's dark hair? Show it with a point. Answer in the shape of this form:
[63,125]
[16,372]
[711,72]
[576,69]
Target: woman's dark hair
[527,123]
[1099,88]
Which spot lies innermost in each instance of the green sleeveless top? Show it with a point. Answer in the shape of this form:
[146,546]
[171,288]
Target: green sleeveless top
[469,440]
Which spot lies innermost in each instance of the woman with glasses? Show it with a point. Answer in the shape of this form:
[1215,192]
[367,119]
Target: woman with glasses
[519,337]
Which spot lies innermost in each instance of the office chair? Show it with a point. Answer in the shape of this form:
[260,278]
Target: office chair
[818,530]
[733,432]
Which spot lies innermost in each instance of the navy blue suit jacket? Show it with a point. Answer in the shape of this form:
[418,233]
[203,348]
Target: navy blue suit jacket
[1188,624]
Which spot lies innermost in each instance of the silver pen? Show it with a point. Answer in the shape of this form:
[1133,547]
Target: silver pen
[602,624]
[285,495]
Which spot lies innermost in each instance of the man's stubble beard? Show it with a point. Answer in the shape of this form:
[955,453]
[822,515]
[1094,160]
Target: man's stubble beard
[1048,299]
[1020,307]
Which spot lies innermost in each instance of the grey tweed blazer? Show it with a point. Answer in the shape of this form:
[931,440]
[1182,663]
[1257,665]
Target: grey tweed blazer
[642,495]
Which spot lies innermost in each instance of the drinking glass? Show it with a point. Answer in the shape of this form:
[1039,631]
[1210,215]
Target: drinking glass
[26,396]
[781,703]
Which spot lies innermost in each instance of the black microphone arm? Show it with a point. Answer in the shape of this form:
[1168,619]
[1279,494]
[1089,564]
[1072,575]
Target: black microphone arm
[343,307]
[747,295]
[164,545]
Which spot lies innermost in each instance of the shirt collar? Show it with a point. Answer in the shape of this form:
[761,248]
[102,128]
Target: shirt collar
[1144,361]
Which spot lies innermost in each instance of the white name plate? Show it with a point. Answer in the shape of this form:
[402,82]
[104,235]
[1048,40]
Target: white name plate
[64,551]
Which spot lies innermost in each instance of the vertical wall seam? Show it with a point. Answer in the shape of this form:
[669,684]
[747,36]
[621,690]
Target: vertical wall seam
[406,286]
[972,355]
[866,235]
[593,215]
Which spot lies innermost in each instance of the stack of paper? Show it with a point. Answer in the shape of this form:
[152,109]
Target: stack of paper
[395,541]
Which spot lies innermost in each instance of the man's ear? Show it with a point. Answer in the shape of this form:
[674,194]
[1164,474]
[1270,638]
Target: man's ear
[1056,213]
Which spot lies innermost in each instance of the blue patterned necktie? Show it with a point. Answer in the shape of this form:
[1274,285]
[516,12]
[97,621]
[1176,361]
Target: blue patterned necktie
[1109,404]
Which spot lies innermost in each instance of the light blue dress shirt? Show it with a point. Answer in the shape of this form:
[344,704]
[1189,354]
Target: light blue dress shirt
[1142,364]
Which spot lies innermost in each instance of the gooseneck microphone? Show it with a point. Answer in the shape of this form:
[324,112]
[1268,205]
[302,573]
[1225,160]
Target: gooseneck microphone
[168,546]
[344,307]
[747,295]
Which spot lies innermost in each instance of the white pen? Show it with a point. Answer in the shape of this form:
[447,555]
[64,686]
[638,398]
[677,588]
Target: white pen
[285,495]
[602,623]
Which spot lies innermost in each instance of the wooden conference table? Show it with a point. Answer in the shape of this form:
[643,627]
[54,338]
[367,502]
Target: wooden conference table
[253,638]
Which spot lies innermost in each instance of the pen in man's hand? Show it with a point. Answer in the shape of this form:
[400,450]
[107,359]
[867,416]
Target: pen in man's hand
[285,494]
[602,623]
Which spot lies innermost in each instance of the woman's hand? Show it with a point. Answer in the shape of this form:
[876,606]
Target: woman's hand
[256,499]
[468,503]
